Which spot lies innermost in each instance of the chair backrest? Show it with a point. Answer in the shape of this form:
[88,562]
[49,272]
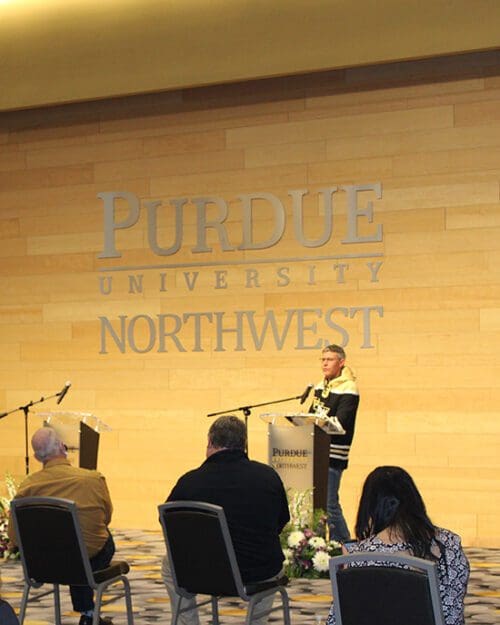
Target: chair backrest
[385,589]
[50,541]
[200,549]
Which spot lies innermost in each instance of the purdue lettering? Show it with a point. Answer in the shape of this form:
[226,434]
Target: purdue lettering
[129,207]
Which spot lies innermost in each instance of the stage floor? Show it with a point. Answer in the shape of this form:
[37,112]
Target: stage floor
[310,599]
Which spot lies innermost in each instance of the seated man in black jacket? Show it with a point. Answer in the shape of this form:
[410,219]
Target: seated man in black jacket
[253,498]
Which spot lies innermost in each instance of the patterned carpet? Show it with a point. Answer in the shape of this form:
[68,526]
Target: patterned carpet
[309,599]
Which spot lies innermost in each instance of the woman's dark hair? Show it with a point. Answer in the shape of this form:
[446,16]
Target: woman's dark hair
[390,499]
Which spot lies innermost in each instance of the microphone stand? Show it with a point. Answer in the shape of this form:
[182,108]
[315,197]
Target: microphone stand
[26,409]
[247,410]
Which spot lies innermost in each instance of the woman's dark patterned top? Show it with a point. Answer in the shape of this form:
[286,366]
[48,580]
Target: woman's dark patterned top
[452,570]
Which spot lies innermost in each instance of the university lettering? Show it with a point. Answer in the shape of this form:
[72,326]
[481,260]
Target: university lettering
[240,330]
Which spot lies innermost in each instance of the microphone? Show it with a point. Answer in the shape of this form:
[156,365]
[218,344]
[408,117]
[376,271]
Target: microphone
[305,394]
[62,394]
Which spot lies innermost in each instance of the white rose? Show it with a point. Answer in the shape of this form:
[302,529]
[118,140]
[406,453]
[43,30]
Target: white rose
[295,538]
[317,542]
[321,561]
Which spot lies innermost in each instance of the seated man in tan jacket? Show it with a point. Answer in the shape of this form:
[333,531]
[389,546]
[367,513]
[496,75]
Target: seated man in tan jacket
[58,478]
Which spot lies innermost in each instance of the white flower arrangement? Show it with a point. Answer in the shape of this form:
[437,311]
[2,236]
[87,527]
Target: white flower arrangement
[11,486]
[305,541]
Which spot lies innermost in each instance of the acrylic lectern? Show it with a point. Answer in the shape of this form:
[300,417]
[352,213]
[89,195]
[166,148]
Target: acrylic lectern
[80,432]
[298,449]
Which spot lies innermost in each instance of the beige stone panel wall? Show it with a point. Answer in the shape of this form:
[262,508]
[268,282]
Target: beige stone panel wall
[479,216]
[61,155]
[403,194]
[241,180]
[414,142]
[353,125]
[472,88]
[426,357]
[488,525]
[490,320]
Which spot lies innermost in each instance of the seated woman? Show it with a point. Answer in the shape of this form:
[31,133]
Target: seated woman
[7,614]
[392,518]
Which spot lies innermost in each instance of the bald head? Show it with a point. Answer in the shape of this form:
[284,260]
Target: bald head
[47,445]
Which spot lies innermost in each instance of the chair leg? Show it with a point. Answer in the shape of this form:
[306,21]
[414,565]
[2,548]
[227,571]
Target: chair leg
[128,601]
[286,606]
[177,610]
[57,604]
[252,605]
[24,603]
[265,610]
[215,611]
[97,604]
[249,616]
[127,595]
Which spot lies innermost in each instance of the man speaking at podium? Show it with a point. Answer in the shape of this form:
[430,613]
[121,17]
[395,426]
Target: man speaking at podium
[338,395]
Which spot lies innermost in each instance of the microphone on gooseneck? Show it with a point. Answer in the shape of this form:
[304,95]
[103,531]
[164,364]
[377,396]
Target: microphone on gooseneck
[305,394]
[62,393]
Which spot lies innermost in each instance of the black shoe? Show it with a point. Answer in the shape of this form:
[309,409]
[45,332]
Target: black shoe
[87,620]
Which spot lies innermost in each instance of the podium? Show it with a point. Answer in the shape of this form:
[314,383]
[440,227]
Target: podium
[298,449]
[80,432]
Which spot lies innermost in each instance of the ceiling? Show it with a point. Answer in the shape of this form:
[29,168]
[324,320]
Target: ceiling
[57,51]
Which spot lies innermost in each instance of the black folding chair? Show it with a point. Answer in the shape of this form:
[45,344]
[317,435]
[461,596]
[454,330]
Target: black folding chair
[385,589]
[203,561]
[53,552]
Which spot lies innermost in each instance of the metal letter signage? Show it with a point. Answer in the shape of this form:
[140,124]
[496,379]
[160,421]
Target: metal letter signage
[234,234]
